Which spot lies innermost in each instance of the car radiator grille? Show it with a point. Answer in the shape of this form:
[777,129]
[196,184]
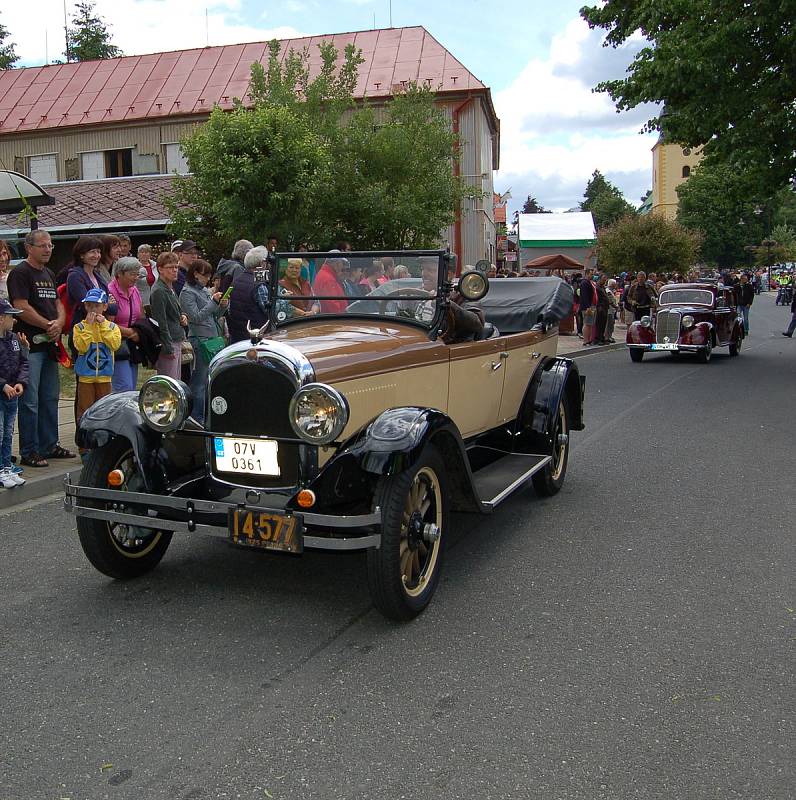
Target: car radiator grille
[257,397]
[667,324]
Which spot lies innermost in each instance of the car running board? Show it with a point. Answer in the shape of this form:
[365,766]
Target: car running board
[503,477]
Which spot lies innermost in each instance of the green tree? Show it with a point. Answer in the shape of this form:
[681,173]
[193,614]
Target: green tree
[89,38]
[723,204]
[307,165]
[530,206]
[649,242]
[8,55]
[724,70]
[604,200]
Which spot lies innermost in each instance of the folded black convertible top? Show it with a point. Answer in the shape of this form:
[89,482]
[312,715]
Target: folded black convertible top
[514,305]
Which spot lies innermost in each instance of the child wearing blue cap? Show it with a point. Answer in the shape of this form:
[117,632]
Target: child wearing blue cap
[96,339]
[14,373]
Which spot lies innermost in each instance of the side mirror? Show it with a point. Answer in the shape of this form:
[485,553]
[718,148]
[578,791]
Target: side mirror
[473,285]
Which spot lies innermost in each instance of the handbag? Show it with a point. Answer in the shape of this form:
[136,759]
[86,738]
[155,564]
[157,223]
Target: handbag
[186,352]
[210,347]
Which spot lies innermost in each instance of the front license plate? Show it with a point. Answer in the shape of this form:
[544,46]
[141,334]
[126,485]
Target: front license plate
[670,346]
[266,530]
[246,456]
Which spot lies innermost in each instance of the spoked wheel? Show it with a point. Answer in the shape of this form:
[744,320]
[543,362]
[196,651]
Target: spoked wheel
[404,572]
[118,550]
[549,480]
[706,352]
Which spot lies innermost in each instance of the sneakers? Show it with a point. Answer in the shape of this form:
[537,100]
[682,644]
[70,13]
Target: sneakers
[8,479]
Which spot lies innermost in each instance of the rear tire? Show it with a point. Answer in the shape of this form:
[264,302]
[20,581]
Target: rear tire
[404,572]
[735,347]
[549,480]
[115,549]
[636,355]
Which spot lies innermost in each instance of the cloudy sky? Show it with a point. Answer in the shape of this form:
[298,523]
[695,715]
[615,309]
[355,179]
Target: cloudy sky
[539,59]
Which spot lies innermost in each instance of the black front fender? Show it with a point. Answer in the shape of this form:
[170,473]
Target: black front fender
[118,415]
[556,380]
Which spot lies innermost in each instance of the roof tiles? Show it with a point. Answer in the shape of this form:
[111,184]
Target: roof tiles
[189,82]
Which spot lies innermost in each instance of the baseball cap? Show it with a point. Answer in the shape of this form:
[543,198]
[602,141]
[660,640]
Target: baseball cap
[95,296]
[7,308]
[183,245]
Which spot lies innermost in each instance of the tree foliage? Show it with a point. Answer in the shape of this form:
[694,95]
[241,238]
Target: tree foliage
[604,200]
[8,55]
[304,163]
[724,70]
[723,204]
[89,38]
[530,206]
[649,242]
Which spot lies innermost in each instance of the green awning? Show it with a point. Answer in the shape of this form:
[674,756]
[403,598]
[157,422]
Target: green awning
[557,243]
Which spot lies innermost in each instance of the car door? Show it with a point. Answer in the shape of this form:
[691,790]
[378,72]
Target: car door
[724,316]
[524,354]
[475,388]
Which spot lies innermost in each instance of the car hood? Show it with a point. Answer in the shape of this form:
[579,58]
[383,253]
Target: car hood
[693,310]
[342,350]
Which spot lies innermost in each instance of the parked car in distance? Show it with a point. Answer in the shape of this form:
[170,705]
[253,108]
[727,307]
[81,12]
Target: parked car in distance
[361,426]
[689,318]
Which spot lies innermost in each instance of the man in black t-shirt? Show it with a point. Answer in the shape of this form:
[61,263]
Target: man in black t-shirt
[31,289]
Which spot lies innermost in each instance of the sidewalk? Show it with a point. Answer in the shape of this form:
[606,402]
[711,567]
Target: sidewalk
[47,480]
[572,346]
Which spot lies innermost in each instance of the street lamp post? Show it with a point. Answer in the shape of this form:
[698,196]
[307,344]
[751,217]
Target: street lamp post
[768,244]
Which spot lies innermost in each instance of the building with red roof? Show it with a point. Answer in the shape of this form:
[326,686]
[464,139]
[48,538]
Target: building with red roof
[124,118]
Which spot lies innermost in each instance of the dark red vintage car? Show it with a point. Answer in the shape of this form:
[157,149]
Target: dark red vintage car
[690,318]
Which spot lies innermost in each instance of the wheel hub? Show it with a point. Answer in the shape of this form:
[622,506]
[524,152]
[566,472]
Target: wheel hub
[414,530]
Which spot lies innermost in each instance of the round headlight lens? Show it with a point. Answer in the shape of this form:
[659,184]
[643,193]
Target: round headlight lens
[646,320]
[318,413]
[688,321]
[165,403]
[473,285]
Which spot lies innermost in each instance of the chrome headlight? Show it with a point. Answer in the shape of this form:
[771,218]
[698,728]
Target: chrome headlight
[645,321]
[165,403]
[688,321]
[318,413]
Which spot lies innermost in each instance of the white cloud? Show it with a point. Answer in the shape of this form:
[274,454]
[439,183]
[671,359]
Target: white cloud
[137,26]
[555,131]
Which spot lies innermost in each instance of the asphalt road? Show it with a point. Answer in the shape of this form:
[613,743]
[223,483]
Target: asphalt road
[630,638]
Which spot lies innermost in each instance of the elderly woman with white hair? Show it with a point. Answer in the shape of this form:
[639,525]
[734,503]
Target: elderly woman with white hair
[130,308]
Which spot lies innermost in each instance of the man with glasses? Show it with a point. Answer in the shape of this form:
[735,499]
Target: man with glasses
[31,288]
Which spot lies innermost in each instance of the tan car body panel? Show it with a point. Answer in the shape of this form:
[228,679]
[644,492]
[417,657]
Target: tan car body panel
[380,366]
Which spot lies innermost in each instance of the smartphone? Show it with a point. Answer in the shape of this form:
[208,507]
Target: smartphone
[227,294]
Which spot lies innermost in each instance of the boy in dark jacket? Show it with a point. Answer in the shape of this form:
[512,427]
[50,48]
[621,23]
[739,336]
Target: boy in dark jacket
[13,380]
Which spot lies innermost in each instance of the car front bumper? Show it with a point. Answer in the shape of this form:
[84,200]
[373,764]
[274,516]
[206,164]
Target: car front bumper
[208,517]
[657,347]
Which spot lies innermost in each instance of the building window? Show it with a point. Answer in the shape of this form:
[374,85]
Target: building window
[43,169]
[175,159]
[100,164]
[686,171]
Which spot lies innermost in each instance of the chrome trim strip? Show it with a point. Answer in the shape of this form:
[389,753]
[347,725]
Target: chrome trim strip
[489,505]
[298,365]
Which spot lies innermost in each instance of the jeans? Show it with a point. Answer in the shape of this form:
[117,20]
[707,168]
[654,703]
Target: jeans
[125,376]
[198,382]
[8,413]
[38,409]
[745,311]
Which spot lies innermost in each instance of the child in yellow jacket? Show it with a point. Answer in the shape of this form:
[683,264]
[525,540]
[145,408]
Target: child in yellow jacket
[96,340]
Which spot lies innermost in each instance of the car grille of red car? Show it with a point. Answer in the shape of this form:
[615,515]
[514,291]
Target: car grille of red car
[667,326]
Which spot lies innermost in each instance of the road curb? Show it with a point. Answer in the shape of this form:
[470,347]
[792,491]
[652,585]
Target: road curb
[594,350]
[35,489]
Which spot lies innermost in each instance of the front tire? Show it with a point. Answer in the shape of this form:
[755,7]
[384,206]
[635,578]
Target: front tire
[636,355]
[549,480]
[706,352]
[118,550]
[404,572]
[735,347]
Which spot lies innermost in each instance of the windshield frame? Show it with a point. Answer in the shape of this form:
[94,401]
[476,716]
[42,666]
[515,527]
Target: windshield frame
[443,288]
[706,292]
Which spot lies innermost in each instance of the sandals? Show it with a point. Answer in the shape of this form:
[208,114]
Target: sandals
[34,460]
[61,452]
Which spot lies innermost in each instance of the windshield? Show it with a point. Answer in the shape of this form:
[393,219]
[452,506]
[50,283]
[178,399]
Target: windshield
[686,297]
[395,285]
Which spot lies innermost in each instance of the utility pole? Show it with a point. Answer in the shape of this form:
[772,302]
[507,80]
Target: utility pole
[66,34]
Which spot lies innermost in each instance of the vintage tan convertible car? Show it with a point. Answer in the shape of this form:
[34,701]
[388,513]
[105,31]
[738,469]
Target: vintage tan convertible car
[361,425]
